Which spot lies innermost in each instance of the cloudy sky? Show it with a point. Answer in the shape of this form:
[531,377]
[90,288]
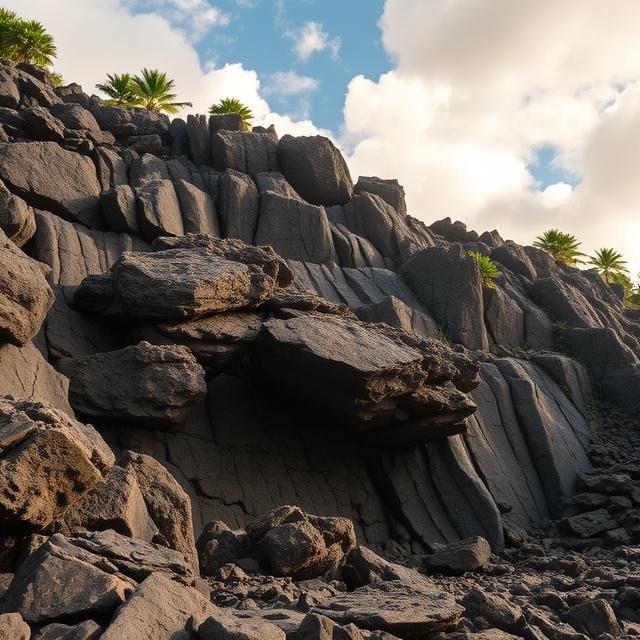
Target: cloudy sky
[519,116]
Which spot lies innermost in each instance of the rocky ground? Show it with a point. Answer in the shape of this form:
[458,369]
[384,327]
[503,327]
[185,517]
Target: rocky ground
[303,577]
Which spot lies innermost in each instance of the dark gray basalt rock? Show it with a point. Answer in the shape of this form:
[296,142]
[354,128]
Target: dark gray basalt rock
[119,209]
[448,283]
[367,376]
[391,607]
[198,138]
[235,250]
[247,152]
[179,283]
[16,217]
[467,555]
[146,385]
[50,177]
[293,543]
[216,341]
[41,125]
[295,229]
[74,116]
[315,169]
[158,210]
[198,210]
[238,203]
[389,190]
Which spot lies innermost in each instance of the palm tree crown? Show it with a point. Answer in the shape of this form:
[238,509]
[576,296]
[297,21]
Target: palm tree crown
[120,89]
[608,262]
[233,106]
[25,40]
[562,246]
[155,91]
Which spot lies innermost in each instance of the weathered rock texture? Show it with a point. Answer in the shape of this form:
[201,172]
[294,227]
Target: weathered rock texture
[355,368]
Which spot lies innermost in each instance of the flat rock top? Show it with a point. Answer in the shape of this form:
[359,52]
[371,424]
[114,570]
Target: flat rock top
[343,341]
[395,606]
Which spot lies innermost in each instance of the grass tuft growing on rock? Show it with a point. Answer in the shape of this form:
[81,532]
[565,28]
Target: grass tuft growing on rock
[488,268]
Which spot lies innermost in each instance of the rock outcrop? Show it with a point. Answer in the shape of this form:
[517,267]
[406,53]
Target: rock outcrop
[247,329]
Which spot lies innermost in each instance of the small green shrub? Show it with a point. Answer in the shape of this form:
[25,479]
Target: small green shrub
[441,335]
[488,268]
[560,326]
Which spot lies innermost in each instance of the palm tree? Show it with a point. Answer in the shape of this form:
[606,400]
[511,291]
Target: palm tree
[562,246]
[32,44]
[154,90]
[8,28]
[119,87]
[608,263]
[233,106]
[56,78]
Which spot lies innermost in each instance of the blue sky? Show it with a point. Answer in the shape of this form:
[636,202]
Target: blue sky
[263,34]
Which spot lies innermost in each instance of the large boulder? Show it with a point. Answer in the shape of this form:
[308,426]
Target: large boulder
[25,296]
[52,178]
[167,503]
[238,204]
[466,555]
[198,209]
[393,607]
[295,229]
[147,385]
[386,384]
[160,609]
[448,283]
[60,581]
[114,503]
[16,217]
[293,543]
[235,250]
[158,210]
[247,152]
[87,630]
[119,209]
[197,131]
[75,117]
[48,461]
[219,545]
[389,190]
[9,93]
[315,169]
[230,627]
[190,281]
[41,125]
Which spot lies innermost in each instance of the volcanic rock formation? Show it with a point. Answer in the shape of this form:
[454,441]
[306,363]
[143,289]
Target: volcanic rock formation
[289,377]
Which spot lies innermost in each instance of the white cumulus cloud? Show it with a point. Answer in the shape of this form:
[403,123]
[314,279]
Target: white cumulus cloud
[479,87]
[312,38]
[290,83]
